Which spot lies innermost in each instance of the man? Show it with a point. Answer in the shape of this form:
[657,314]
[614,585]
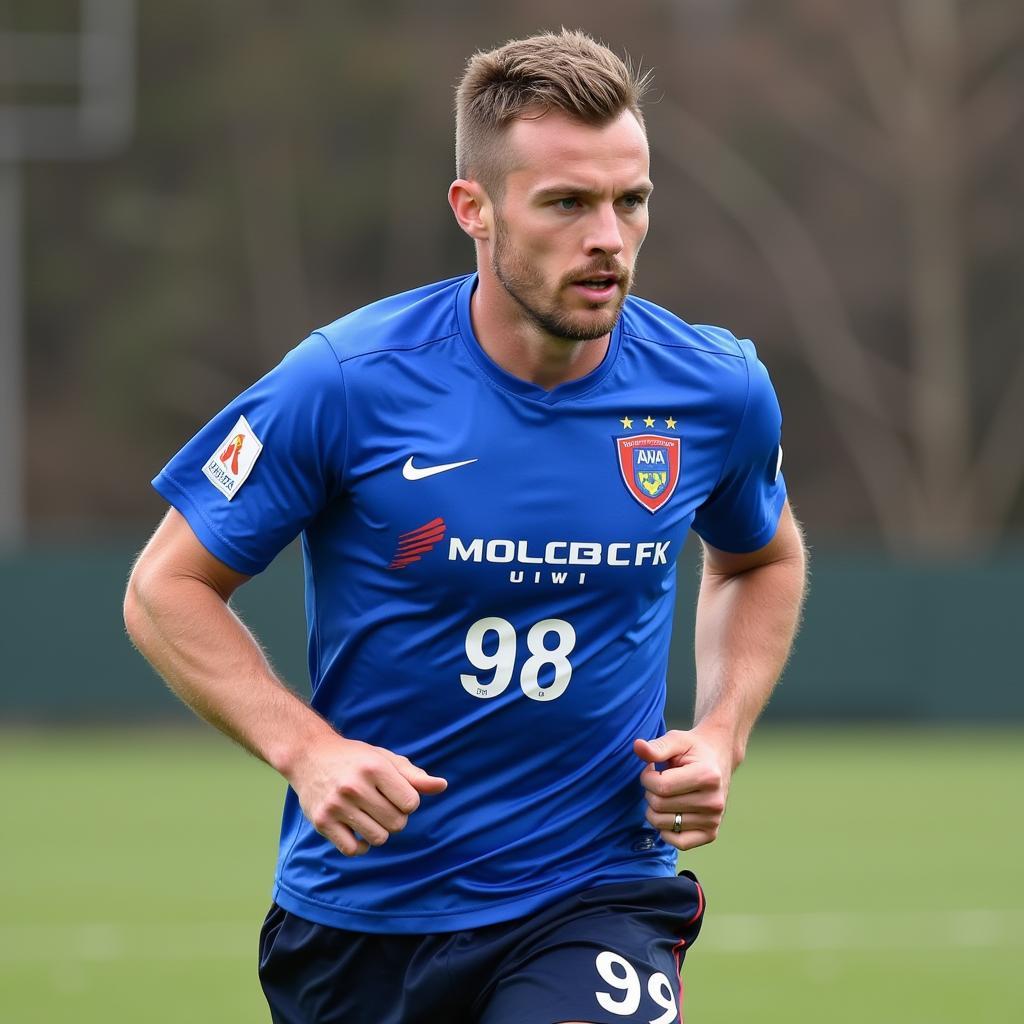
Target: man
[493,477]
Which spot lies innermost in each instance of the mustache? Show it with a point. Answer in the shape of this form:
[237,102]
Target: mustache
[599,269]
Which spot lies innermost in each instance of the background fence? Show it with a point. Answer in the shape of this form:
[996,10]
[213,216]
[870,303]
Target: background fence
[921,642]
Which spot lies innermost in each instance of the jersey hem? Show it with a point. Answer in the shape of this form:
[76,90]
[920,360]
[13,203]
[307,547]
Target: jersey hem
[411,923]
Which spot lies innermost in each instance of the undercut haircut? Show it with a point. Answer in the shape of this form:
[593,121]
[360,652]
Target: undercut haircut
[567,71]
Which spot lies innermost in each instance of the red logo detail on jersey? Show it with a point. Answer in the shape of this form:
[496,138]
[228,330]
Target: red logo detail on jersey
[414,544]
[650,467]
[232,451]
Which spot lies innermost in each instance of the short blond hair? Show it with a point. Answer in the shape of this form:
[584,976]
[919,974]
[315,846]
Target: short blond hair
[567,71]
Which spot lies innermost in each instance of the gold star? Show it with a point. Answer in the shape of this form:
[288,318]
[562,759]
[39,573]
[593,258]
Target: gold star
[670,423]
[626,422]
[649,421]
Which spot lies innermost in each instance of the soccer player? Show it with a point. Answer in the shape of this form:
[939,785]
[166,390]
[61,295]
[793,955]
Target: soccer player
[492,477]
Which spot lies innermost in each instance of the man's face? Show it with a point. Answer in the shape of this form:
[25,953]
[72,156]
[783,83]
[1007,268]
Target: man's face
[571,220]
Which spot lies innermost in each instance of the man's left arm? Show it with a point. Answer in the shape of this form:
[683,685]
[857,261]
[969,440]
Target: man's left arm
[747,616]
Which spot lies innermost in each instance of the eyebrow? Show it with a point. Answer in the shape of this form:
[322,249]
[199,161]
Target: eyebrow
[552,191]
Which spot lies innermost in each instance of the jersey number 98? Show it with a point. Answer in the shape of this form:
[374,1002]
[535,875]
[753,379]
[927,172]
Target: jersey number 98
[503,661]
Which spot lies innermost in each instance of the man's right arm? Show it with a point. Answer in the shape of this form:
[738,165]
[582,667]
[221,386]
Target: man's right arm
[176,612]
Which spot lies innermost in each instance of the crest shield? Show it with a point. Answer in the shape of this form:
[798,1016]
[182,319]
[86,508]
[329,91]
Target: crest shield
[649,464]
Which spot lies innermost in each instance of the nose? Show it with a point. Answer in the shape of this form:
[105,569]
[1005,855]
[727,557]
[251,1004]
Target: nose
[603,232]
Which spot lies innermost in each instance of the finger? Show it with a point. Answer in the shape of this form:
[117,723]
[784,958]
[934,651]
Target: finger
[646,751]
[690,778]
[429,785]
[341,836]
[690,839]
[392,784]
[689,822]
[424,783]
[369,828]
[647,774]
[363,795]
[374,804]
[674,743]
[705,801]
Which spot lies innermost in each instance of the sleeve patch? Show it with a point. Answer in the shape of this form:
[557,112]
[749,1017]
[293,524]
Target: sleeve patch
[231,462]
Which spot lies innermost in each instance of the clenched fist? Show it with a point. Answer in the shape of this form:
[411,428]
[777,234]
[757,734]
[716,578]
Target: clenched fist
[694,784]
[357,795]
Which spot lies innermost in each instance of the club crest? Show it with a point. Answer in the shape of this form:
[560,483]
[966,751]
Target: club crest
[650,467]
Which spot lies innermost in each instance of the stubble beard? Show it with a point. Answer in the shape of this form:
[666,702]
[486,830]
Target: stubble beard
[528,288]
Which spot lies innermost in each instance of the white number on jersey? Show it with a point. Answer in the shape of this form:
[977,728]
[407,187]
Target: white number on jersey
[502,662]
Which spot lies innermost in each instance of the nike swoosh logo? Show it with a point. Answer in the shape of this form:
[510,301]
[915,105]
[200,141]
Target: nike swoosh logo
[411,472]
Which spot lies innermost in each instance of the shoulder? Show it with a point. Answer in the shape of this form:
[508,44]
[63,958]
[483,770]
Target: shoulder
[398,323]
[716,353]
[646,321]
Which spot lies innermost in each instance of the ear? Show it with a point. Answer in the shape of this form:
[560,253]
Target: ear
[472,208]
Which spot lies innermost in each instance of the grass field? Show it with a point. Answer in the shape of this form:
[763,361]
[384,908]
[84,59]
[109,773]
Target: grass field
[862,875]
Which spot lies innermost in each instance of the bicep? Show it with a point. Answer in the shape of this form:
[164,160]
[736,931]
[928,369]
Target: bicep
[786,545]
[175,552]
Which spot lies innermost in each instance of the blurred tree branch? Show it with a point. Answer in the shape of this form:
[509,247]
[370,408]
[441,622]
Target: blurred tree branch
[874,49]
[835,127]
[990,32]
[823,328]
[266,176]
[925,478]
[996,473]
[990,114]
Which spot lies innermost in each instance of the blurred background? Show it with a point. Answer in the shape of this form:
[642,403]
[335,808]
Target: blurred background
[187,189]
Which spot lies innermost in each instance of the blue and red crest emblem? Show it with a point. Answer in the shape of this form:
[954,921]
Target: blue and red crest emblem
[650,467]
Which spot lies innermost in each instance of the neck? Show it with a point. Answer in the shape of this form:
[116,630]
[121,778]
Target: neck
[521,347]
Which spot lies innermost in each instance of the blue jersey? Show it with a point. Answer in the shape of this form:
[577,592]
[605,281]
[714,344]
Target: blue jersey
[490,580]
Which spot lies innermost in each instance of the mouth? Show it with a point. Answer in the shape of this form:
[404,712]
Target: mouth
[598,287]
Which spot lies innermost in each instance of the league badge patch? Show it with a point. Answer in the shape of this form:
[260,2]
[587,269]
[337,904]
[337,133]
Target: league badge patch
[650,467]
[232,461]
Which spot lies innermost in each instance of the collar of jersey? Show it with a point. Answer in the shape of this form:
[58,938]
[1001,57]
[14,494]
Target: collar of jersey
[517,385]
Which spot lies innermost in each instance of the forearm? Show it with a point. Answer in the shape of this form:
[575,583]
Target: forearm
[207,656]
[745,627]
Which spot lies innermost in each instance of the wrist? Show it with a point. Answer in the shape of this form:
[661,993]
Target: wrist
[724,737]
[288,753]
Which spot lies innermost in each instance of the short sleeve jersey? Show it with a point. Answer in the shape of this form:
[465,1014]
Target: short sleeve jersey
[490,580]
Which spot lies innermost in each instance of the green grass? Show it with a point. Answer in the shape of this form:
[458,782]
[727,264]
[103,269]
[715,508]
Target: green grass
[893,833]
[862,875]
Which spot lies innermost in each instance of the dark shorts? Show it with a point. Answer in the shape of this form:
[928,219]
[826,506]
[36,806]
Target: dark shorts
[608,955]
